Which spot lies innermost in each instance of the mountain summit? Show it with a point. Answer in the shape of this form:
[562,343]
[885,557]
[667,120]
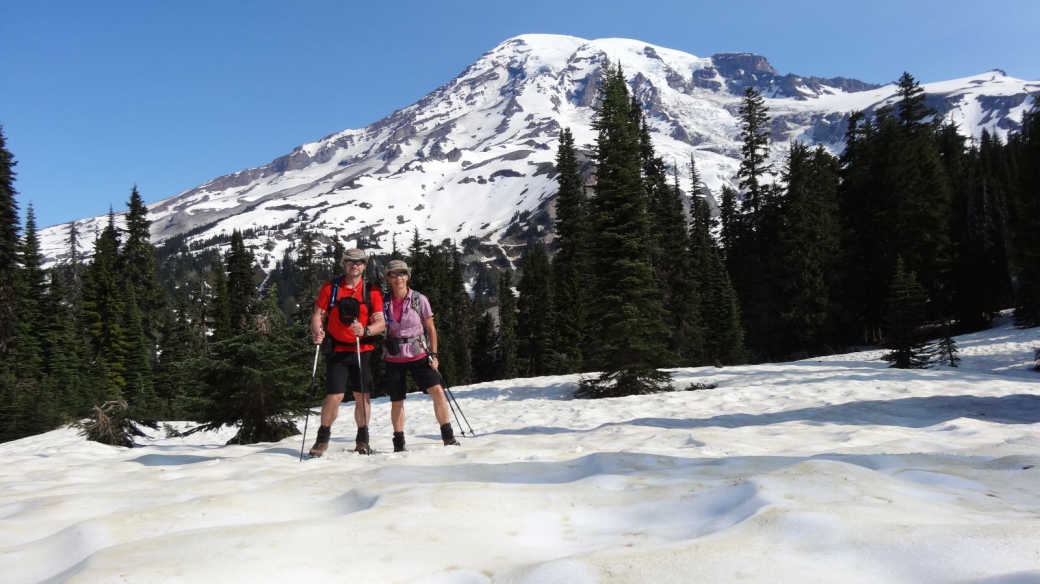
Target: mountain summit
[476,156]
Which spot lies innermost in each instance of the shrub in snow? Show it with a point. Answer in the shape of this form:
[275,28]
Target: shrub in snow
[630,381]
[110,424]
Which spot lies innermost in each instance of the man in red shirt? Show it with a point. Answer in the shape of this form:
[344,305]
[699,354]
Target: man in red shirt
[349,320]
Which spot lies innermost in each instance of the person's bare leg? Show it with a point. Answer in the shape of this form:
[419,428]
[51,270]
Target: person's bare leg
[440,404]
[362,409]
[330,408]
[397,415]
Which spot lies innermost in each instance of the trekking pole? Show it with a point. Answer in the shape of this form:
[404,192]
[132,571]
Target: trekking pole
[361,381]
[310,398]
[445,385]
[452,396]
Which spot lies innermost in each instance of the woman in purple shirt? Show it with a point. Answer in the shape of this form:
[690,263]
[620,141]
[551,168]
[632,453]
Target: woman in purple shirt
[409,320]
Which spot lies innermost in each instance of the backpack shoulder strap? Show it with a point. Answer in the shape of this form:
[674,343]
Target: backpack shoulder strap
[416,305]
[333,293]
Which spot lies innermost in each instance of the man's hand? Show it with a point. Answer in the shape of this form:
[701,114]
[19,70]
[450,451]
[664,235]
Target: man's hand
[357,329]
[318,336]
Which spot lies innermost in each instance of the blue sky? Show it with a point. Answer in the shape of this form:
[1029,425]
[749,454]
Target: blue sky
[98,96]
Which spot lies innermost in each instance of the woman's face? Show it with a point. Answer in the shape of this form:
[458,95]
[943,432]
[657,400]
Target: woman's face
[398,280]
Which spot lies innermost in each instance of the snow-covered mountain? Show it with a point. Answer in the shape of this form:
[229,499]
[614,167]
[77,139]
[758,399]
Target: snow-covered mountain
[475,154]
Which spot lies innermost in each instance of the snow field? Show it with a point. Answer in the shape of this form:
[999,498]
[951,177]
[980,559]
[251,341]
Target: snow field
[836,469]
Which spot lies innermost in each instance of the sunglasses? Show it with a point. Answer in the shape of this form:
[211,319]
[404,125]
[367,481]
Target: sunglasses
[353,262]
[397,274]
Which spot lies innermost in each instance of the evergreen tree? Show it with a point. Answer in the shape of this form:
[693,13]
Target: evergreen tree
[9,246]
[255,378]
[912,108]
[1026,223]
[752,233]
[460,322]
[61,350]
[103,315]
[220,312]
[72,271]
[506,340]
[140,386]
[867,211]
[535,322]
[754,150]
[312,274]
[946,352]
[241,286]
[483,348]
[904,314]
[570,264]
[629,326]
[138,267]
[810,246]
[180,345]
[31,285]
[723,336]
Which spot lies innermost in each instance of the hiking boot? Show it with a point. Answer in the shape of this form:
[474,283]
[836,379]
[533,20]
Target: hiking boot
[448,435]
[399,442]
[361,441]
[322,443]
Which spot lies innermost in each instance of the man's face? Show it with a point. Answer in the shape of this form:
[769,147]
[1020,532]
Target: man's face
[354,267]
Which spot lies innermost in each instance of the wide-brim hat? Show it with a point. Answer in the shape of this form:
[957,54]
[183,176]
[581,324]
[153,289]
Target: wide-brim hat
[397,266]
[354,255]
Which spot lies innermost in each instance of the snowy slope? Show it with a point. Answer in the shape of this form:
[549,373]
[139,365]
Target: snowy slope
[464,159]
[829,470]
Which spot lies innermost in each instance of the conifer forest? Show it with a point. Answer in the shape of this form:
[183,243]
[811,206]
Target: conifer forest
[912,235]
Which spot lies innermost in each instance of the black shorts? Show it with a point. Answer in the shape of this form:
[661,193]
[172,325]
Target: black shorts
[394,383]
[341,372]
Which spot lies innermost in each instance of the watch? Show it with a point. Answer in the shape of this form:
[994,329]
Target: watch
[366,332]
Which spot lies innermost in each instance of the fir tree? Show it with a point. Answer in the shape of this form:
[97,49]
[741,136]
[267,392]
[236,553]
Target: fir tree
[312,274]
[103,315]
[946,352]
[140,386]
[180,345]
[570,265]
[629,331]
[9,246]
[241,286]
[535,321]
[460,322]
[255,378]
[61,348]
[723,336]
[138,267]
[30,290]
[912,108]
[754,150]
[506,345]
[72,271]
[483,348]
[810,246]
[904,315]
[220,312]
[1026,223]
